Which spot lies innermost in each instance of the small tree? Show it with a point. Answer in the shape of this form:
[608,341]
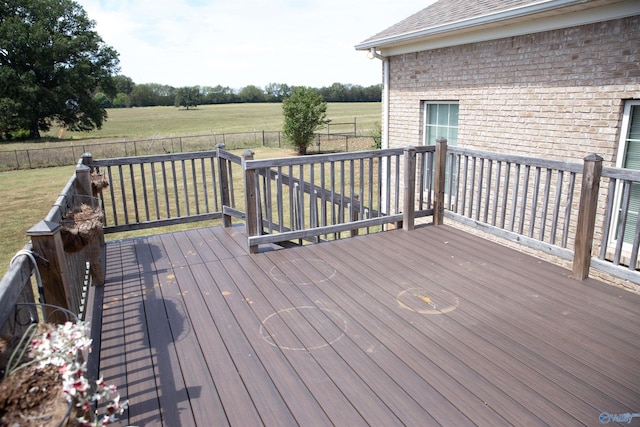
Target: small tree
[187,97]
[304,112]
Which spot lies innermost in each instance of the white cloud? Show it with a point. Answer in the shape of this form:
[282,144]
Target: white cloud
[238,43]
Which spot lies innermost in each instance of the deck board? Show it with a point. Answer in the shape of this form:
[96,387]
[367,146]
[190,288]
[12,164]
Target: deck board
[428,327]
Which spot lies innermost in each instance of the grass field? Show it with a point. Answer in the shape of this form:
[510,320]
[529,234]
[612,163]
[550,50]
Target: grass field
[27,195]
[152,122]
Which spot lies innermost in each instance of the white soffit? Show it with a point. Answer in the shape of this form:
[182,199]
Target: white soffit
[520,26]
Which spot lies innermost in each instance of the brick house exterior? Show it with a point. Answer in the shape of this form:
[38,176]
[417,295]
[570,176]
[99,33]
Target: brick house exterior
[551,79]
[546,79]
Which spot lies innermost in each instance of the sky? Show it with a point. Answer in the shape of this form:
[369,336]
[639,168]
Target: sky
[237,43]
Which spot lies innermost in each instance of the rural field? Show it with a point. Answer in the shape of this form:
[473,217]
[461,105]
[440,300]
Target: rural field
[27,195]
[154,122]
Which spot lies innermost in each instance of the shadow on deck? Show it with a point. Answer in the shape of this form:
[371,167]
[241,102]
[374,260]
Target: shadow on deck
[429,327]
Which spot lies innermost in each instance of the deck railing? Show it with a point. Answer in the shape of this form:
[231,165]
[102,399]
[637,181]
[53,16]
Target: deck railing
[62,276]
[581,212]
[17,287]
[618,240]
[322,197]
[168,189]
[523,199]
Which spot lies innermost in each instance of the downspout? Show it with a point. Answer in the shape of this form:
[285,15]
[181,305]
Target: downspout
[385,124]
[385,95]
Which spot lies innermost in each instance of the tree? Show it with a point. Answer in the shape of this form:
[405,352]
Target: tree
[188,97]
[103,100]
[251,93]
[123,84]
[304,112]
[51,64]
[121,100]
[276,91]
[218,95]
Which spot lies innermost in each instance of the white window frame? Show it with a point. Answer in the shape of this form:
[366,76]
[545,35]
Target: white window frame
[425,140]
[426,105]
[620,160]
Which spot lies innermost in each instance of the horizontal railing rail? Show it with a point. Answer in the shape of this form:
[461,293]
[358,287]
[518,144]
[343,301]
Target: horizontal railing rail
[16,286]
[323,196]
[523,199]
[168,189]
[618,241]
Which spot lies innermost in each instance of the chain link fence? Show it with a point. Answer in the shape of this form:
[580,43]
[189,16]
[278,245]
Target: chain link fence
[64,155]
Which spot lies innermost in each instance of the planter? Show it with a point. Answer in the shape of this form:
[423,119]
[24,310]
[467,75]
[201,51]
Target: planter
[44,379]
[32,395]
[82,224]
[98,182]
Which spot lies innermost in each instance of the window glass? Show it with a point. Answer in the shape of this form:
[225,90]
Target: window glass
[441,119]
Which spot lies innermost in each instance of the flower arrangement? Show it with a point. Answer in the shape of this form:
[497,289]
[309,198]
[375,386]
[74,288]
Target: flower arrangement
[62,346]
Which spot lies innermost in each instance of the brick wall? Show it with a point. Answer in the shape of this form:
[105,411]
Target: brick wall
[556,94]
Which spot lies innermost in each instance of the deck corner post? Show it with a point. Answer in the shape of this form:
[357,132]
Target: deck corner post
[591,173]
[83,180]
[47,243]
[251,207]
[96,248]
[409,207]
[223,176]
[86,159]
[439,179]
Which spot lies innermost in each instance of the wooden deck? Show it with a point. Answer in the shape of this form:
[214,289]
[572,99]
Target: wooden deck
[428,327]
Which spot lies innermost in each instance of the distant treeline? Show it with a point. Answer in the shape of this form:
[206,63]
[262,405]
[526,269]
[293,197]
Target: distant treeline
[126,93]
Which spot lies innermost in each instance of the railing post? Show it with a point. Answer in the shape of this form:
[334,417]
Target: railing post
[47,242]
[251,207]
[223,175]
[96,248]
[439,179]
[83,181]
[409,208]
[591,173]
[87,158]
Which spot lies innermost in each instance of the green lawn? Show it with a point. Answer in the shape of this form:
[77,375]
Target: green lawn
[27,195]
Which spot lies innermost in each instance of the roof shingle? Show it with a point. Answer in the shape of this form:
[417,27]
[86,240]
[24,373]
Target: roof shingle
[445,12]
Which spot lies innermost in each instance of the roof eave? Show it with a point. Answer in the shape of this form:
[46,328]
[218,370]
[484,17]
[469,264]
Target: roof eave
[489,20]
